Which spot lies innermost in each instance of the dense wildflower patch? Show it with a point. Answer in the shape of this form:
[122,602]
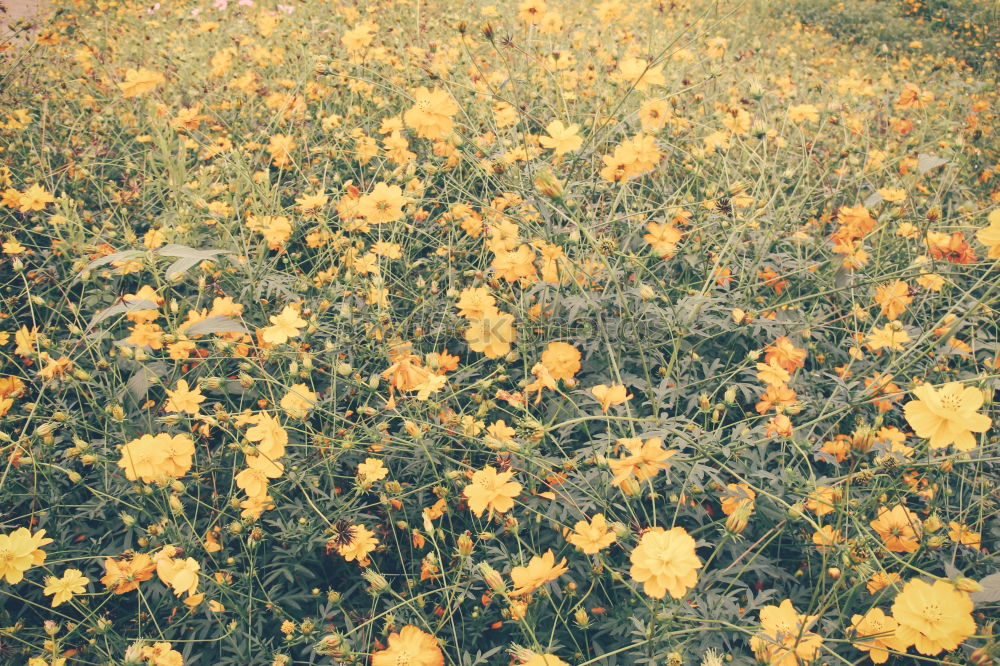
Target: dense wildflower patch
[538,333]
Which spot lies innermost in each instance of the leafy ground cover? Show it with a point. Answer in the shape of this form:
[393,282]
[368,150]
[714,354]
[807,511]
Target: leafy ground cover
[542,332]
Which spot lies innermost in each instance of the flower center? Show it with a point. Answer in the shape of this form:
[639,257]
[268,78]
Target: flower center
[951,402]
[933,613]
[404,658]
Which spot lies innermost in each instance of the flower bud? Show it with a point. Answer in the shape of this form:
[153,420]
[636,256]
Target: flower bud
[549,185]
[493,578]
[936,541]
[737,520]
[377,581]
[863,438]
[967,585]
[465,545]
[933,523]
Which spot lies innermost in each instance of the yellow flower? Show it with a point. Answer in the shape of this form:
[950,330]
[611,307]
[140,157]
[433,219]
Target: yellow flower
[540,570]
[268,434]
[610,395]
[410,646]
[491,490]
[772,374]
[899,528]
[140,81]
[875,633]
[990,236]
[644,460]
[561,139]
[892,194]
[826,537]
[280,148]
[947,415]
[822,500]
[372,469]
[592,537]
[544,660]
[890,336]
[653,114]
[152,457]
[893,297]
[161,654]
[663,238]
[881,581]
[13,247]
[665,561]
[934,617]
[285,325]
[182,399]
[801,113]
[491,335]
[298,401]
[431,113]
[34,198]
[638,74]
[19,551]
[363,541]
[25,341]
[476,303]
[310,204]
[784,639]
[62,589]
[180,574]
[383,204]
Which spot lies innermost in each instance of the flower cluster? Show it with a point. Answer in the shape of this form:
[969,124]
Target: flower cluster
[529,334]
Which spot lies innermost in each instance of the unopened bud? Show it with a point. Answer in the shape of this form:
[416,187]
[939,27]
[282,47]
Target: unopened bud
[493,578]
[465,545]
[737,520]
[967,585]
[377,581]
[549,185]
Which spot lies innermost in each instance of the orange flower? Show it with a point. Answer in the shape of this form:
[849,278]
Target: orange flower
[899,528]
[124,575]
[610,395]
[960,533]
[785,354]
[893,297]
[561,359]
[540,570]
[737,495]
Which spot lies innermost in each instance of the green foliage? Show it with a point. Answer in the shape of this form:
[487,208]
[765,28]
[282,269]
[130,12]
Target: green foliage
[802,173]
[967,30]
